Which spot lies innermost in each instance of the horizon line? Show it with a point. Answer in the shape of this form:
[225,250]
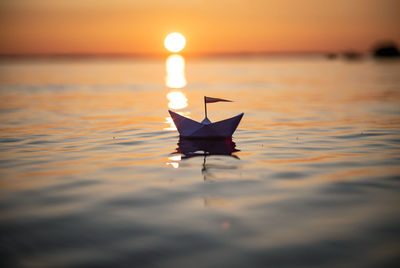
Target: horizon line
[166,54]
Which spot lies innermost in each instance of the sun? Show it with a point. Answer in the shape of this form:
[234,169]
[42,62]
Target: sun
[174,42]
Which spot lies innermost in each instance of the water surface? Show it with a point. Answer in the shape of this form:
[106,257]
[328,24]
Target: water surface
[93,174]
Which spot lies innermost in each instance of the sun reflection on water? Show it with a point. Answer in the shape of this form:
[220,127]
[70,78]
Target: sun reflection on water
[175,72]
[174,161]
[177,100]
[173,164]
[175,79]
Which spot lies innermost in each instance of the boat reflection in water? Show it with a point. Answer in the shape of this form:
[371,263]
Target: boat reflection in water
[206,147]
[189,148]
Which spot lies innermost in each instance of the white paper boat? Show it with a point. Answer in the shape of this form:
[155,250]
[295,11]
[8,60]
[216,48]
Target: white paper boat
[189,128]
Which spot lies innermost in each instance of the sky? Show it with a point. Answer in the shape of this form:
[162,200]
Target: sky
[210,26]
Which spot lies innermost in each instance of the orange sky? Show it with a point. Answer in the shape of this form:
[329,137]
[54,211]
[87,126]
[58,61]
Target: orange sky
[210,26]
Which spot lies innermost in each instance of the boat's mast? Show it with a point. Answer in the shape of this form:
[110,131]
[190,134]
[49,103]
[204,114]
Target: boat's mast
[205,106]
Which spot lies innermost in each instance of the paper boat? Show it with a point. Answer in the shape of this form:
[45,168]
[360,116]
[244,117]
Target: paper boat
[189,128]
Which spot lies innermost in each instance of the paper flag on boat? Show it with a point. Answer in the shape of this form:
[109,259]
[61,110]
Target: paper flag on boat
[211,100]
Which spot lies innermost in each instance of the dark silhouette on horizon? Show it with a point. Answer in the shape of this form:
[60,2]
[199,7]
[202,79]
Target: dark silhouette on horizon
[352,55]
[386,49]
[331,56]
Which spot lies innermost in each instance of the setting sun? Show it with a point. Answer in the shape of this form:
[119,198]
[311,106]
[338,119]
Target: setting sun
[175,42]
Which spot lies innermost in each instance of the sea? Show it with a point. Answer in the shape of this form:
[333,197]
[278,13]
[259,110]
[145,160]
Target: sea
[93,172]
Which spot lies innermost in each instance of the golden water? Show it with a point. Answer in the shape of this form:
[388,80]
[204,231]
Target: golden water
[92,172]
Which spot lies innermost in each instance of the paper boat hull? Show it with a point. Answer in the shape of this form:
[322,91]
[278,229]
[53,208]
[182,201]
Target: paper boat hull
[189,128]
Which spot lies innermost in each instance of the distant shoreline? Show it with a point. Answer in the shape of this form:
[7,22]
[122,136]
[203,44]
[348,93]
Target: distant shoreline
[156,56]
[345,55]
